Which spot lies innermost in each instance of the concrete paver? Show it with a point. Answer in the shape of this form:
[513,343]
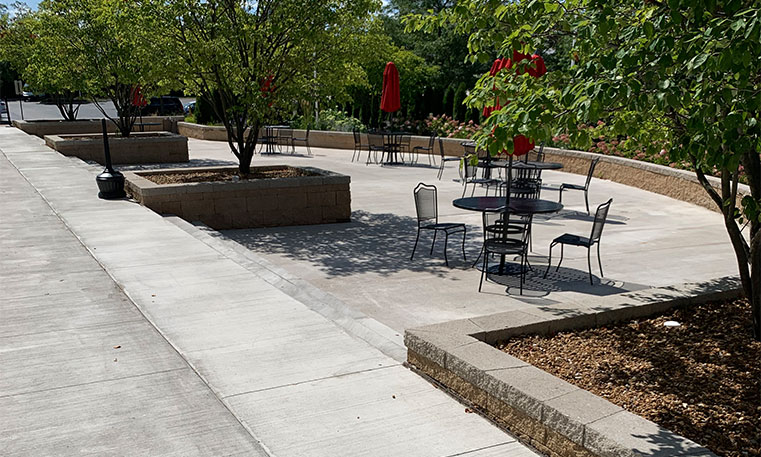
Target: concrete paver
[248,342]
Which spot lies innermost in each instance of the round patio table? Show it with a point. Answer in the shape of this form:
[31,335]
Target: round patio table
[270,137]
[517,206]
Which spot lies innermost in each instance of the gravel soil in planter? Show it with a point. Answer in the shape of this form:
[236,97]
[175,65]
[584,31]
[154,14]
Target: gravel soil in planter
[701,379]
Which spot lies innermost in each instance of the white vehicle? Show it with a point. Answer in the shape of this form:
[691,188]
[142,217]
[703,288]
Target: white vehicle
[3,108]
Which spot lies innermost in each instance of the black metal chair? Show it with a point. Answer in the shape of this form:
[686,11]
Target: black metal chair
[429,150]
[285,139]
[506,235]
[470,176]
[427,208]
[403,146]
[575,240]
[444,158]
[304,141]
[585,187]
[357,144]
[375,144]
[268,141]
[534,155]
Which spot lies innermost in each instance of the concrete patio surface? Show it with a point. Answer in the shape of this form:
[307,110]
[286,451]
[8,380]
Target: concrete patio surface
[124,334]
[649,241]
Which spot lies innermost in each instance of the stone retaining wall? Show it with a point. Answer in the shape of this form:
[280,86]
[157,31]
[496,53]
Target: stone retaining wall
[556,417]
[139,148]
[321,199]
[44,127]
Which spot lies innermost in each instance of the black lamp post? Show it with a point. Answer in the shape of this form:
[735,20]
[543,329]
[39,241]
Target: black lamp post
[110,182]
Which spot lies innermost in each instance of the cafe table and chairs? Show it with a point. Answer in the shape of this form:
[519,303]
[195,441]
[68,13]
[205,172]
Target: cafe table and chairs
[520,212]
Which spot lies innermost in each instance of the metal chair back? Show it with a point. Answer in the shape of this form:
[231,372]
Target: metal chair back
[357,138]
[591,172]
[441,147]
[600,216]
[470,168]
[285,134]
[375,140]
[426,204]
[431,142]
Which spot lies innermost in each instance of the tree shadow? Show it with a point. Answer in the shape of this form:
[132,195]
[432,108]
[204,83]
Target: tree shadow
[562,280]
[370,243]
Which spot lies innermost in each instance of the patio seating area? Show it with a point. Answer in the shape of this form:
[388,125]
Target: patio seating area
[366,263]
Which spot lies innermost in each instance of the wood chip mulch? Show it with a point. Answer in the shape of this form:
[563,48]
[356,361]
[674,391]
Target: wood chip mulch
[701,380]
[224,175]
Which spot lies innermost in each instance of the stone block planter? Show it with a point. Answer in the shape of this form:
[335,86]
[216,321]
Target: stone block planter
[556,417]
[139,148]
[43,127]
[322,198]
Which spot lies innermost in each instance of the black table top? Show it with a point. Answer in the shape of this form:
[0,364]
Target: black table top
[530,164]
[517,205]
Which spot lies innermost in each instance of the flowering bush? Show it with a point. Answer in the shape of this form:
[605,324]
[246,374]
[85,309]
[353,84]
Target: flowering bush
[605,141]
[330,119]
[447,127]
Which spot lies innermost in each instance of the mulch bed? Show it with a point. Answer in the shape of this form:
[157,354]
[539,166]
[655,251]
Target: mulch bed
[701,380]
[225,175]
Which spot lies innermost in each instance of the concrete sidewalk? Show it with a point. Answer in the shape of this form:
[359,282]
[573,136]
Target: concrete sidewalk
[298,383]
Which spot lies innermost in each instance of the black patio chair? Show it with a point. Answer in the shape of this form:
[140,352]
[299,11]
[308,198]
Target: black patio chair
[375,144]
[357,144]
[506,235]
[575,240]
[285,139]
[444,158]
[470,176]
[429,150]
[403,146]
[304,141]
[534,155]
[585,187]
[427,208]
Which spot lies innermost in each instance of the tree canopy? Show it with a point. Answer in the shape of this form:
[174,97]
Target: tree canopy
[255,61]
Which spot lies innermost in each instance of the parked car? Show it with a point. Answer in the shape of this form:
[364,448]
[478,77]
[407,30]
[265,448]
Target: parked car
[28,96]
[163,106]
[190,107]
[4,112]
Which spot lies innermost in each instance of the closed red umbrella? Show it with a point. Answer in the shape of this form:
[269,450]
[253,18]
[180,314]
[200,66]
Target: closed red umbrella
[521,144]
[137,97]
[390,100]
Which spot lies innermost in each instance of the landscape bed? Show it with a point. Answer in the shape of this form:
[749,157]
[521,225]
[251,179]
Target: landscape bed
[270,196]
[701,379]
[138,148]
[557,417]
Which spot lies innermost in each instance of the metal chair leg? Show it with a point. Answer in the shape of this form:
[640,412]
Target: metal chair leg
[561,256]
[599,260]
[483,270]
[589,265]
[446,241]
[586,200]
[549,263]
[434,241]
[478,258]
[415,247]
[464,232]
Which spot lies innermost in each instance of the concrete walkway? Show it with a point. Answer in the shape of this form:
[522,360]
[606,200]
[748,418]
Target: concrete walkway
[242,349]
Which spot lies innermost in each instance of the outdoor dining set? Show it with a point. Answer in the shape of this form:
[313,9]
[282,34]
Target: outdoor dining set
[507,215]
[277,139]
